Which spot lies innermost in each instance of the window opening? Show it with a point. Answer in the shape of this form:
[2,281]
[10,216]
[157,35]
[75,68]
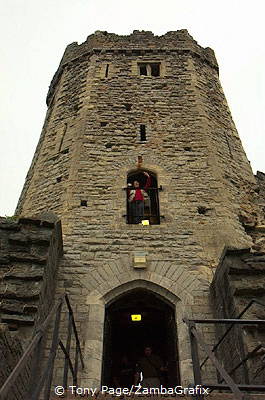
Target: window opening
[155,69]
[149,69]
[63,135]
[103,123]
[59,179]
[83,203]
[107,71]
[142,198]
[142,133]
[143,69]
[128,106]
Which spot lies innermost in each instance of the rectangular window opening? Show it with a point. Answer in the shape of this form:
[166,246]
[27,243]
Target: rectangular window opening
[155,69]
[143,69]
[142,133]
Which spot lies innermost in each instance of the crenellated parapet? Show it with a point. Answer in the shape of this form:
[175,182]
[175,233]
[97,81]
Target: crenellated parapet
[138,43]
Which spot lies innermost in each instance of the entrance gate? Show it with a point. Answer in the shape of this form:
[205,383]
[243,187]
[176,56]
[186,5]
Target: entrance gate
[125,337]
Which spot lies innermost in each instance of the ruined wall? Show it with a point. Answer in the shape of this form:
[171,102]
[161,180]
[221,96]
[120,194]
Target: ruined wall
[97,102]
[30,252]
[29,259]
[239,279]
[11,351]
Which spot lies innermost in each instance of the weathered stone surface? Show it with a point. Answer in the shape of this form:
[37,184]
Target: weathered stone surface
[25,271]
[91,141]
[29,265]
[11,351]
[239,279]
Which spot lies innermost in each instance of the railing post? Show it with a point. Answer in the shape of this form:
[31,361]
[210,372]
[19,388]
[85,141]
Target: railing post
[50,366]
[76,363]
[195,358]
[68,345]
[35,365]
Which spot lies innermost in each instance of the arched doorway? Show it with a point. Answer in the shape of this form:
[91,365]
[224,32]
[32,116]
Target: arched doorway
[151,203]
[122,336]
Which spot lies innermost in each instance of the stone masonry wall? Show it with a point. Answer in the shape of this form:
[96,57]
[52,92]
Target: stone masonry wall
[97,102]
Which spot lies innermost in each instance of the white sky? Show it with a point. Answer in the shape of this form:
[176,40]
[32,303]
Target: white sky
[34,34]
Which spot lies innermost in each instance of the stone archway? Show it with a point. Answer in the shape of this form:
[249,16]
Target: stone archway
[125,338]
[95,328]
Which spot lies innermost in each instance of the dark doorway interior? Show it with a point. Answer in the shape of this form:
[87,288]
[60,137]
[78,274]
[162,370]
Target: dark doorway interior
[122,336]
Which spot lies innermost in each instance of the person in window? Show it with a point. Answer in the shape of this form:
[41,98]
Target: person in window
[136,197]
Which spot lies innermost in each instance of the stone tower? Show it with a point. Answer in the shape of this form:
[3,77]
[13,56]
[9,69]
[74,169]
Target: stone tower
[119,106]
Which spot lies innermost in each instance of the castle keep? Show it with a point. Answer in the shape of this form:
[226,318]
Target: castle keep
[119,106]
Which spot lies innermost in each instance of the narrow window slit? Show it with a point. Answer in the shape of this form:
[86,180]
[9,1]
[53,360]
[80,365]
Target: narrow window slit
[142,133]
[63,135]
[107,71]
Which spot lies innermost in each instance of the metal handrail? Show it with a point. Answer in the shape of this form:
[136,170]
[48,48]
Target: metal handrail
[29,350]
[46,377]
[160,188]
[147,215]
[196,338]
[231,326]
[75,330]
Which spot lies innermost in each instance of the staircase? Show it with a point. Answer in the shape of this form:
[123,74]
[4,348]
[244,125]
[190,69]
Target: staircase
[40,376]
[40,364]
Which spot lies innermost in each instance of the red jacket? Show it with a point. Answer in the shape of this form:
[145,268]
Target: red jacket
[139,192]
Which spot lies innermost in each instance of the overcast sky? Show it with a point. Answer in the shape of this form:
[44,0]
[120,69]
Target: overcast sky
[34,34]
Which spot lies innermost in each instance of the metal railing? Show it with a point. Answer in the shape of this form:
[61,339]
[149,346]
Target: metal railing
[41,382]
[197,339]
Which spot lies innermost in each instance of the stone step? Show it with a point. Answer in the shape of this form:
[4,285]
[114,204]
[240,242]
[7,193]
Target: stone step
[27,257]
[17,319]
[25,271]
[42,238]
[18,289]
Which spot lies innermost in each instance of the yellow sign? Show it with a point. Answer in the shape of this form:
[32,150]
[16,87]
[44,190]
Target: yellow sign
[145,222]
[136,317]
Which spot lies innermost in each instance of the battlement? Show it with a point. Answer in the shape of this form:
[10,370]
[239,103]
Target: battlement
[138,43]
